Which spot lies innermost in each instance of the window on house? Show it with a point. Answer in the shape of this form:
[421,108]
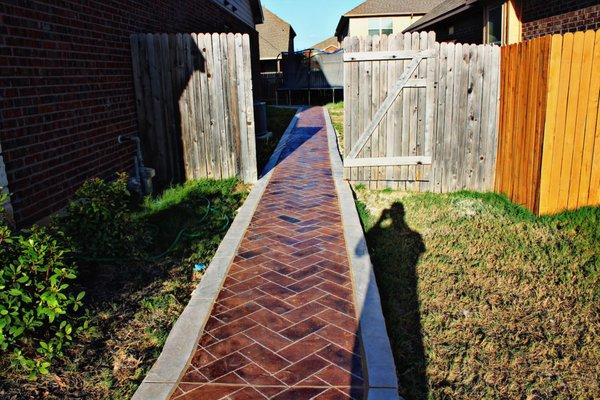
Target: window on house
[494,25]
[381,26]
[387,26]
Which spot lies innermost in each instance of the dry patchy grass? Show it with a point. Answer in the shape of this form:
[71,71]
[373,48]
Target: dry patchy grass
[484,300]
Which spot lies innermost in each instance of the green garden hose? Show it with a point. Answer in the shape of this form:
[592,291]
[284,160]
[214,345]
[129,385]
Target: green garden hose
[185,232]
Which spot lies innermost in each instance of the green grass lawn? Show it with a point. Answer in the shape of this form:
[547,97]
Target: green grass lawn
[133,304]
[278,120]
[483,299]
[336,111]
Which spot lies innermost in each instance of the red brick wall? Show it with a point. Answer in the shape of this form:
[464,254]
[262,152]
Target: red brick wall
[67,89]
[543,17]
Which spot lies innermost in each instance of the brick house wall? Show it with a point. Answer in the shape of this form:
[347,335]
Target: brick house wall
[67,88]
[543,17]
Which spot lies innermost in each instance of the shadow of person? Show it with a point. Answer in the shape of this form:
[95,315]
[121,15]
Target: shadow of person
[395,250]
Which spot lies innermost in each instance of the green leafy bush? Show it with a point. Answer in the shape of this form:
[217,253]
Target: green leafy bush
[98,221]
[37,303]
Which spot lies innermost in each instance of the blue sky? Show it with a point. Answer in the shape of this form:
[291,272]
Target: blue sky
[313,20]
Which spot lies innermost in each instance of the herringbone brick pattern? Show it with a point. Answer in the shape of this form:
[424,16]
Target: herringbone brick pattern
[284,323]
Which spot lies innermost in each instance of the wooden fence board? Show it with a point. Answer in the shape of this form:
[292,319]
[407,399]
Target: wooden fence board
[375,102]
[430,111]
[420,170]
[492,133]
[201,101]
[541,106]
[530,120]
[406,112]
[561,116]
[383,90]
[251,135]
[448,105]
[570,125]
[587,40]
[552,106]
[240,84]
[459,106]
[594,194]
[355,45]
[591,132]
[414,120]
[475,118]
[346,69]
[396,129]
[438,143]
[392,45]
[188,132]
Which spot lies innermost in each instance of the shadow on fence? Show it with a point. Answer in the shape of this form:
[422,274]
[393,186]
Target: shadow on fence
[195,105]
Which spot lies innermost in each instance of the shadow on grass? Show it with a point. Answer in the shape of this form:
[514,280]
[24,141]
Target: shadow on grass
[395,250]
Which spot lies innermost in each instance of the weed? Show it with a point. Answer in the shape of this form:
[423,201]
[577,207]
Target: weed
[336,111]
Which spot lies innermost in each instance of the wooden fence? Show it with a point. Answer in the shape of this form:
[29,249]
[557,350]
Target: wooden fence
[195,105]
[438,132]
[549,145]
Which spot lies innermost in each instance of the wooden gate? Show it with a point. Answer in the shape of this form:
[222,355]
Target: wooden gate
[195,105]
[420,115]
[389,109]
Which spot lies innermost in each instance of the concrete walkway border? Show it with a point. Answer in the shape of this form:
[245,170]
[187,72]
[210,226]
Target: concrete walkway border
[379,360]
[161,380]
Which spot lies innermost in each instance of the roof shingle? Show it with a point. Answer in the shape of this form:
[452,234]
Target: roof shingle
[375,7]
[274,35]
[442,9]
[331,41]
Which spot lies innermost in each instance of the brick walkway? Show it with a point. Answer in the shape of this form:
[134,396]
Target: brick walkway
[284,325]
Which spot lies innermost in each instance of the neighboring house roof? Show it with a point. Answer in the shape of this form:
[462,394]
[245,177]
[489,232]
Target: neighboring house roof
[274,36]
[442,11]
[392,7]
[386,7]
[327,43]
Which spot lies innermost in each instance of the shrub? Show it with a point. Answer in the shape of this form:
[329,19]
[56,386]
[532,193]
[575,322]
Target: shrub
[98,221]
[36,301]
